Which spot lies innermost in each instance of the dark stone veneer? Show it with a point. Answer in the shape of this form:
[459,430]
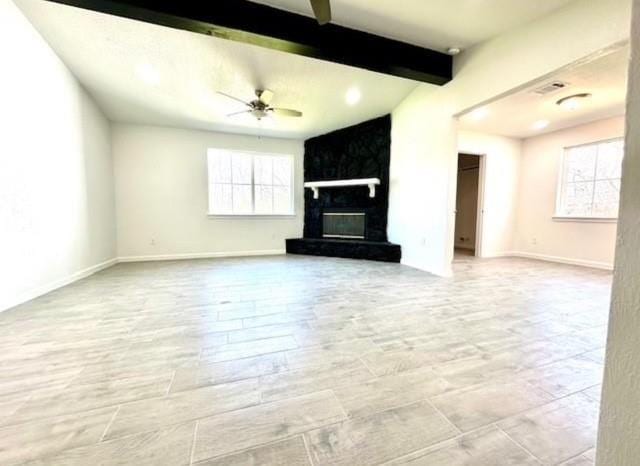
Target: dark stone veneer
[347,248]
[360,151]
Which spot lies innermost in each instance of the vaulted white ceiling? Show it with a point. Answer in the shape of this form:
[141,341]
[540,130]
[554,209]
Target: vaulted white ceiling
[437,24]
[184,70]
[516,115]
[148,74]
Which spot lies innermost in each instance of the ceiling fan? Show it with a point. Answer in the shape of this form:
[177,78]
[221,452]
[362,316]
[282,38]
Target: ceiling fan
[322,10]
[260,107]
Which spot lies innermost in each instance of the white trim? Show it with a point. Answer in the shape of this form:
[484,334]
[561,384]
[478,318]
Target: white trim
[445,272]
[201,255]
[557,259]
[42,290]
[561,184]
[561,218]
[253,155]
[482,187]
[316,185]
[252,216]
[54,285]
[343,214]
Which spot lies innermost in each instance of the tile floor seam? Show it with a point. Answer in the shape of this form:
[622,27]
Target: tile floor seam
[166,393]
[519,445]
[193,443]
[307,449]
[109,424]
[443,416]
[259,445]
[579,455]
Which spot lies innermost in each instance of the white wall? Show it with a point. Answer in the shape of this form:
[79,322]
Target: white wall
[57,218]
[161,192]
[502,170]
[423,140]
[618,443]
[538,235]
[424,148]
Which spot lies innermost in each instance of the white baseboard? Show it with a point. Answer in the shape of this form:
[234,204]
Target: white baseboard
[49,287]
[444,272]
[201,255]
[13,301]
[558,259]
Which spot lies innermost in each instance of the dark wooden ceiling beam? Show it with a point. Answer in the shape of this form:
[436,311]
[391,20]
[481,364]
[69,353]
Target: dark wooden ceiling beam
[252,23]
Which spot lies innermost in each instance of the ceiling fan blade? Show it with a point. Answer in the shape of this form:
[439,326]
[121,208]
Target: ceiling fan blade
[234,98]
[322,10]
[287,112]
[238,113]
[265,96]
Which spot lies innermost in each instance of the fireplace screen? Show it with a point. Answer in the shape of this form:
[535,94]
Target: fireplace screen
[343,225]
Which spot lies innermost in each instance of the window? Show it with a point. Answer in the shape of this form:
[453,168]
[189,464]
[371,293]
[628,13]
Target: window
[590,181]
[245,183]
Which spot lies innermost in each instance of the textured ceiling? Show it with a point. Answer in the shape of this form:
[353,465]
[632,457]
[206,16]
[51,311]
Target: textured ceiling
[106,53]
[438,24]
[605,77]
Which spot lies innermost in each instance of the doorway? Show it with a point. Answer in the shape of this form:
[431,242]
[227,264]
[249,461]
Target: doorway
[467,232]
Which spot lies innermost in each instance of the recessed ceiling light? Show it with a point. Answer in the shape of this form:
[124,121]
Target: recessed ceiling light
[479,114]
[540,124]
[453,51]
[353,96]
[572,102]
[148,74]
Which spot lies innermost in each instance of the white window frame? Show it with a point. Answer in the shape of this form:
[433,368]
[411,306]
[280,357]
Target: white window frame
[560,187]
[253,154]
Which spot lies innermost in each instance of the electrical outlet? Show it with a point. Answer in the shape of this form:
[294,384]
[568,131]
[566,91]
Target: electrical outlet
[534,241]
[152,242]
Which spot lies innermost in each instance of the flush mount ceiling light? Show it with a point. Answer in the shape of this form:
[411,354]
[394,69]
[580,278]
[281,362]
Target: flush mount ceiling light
[353,96]
[540,125]
[453,51]
[479,114]
[148,74]
[572,102]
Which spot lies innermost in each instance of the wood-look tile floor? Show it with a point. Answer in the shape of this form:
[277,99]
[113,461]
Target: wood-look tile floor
[294,360]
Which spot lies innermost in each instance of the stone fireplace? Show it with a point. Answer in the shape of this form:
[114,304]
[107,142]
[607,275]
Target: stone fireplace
[346,179]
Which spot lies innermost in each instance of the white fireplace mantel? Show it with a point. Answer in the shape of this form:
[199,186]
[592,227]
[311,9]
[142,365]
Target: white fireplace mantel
[316,185]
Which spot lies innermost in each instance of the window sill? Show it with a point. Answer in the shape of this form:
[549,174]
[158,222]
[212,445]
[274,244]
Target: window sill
[559,218]
[251,216]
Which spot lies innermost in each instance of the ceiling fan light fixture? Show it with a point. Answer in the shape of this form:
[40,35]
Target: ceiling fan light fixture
[259,113]
[573,102]
[259,108]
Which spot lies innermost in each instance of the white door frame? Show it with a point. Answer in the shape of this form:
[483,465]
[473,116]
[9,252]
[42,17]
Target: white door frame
[482,158]
[480,214]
